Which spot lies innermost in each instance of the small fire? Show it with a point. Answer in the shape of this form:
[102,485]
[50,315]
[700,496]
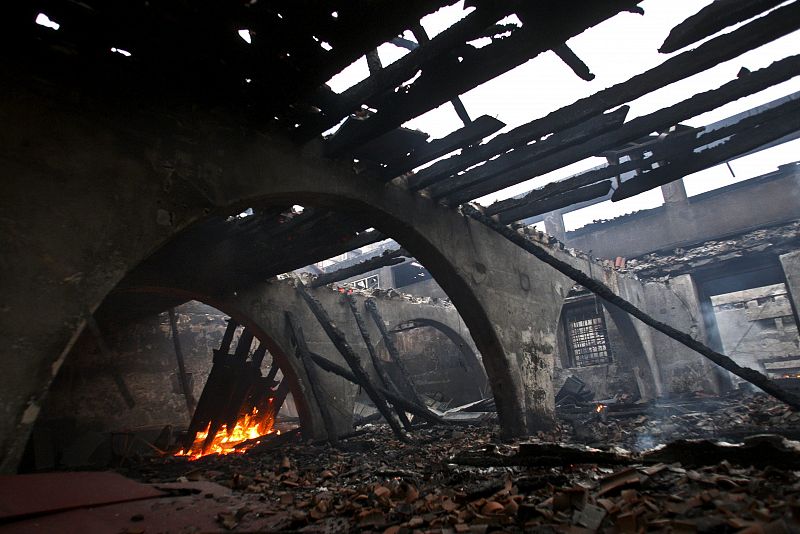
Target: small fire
[600,408]
[249,427]
[796,375]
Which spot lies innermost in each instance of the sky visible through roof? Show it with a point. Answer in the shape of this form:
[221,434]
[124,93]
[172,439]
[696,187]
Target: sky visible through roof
[615,51]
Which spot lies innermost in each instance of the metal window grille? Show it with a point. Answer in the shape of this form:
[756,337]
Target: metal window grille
[587,338]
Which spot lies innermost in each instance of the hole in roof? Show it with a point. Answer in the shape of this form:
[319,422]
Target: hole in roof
[335,14]
[121,51]
[326,46]
[245,35]
[44,20]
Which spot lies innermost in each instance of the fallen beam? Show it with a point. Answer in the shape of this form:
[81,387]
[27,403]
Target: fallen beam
[409,406]
[604,292]
[723,48]
[714,17]
[391,348]
[384,377]
[183,380]
[304,355]
[389,257]
[777,72]
[108,356]
[339,340]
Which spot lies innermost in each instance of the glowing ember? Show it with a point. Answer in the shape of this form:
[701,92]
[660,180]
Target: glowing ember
[796,375]
[248,427]
[600,408]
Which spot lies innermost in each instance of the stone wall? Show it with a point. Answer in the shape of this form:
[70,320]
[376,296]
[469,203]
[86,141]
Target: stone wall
[758,330]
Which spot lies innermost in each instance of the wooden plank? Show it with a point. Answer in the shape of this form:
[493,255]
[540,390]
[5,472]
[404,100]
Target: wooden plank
[481,127]
[568,184]
[517,160]
[605,292]
[779,71]
[389,257]
[435,86]
[403,69]
[304,355]
[750,133]
[377,364]
[409,406]
[582,194]
[184,382]
[722,48]
[339,340]
[714,17]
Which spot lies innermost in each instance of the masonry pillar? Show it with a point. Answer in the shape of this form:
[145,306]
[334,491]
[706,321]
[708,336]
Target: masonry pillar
[674,193]
[791,270]
[554,225]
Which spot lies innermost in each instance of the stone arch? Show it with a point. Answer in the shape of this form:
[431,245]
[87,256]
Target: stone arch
[122,185]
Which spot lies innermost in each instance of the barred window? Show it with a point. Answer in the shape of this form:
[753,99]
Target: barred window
[587,338]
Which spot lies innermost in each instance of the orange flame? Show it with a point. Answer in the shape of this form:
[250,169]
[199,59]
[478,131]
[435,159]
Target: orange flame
[796,375]
[600,408]
[249,427]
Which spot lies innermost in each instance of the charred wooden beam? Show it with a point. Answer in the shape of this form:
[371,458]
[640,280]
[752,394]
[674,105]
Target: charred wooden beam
[391,348]
[575,63]
[777,72]
[304,355]
[389,257]
[398,400]
[258,355]
[582,194]
[747,135]
[110,361]
[401,70]
[516,162]
[422,38]
[563,186]
[339,340]
[384,377]
[713,18]
[605,292]
[436,86]
[463,137]
[182,377]
[752,35]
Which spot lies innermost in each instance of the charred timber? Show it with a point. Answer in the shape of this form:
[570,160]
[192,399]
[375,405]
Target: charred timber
[436,86]
[604,292]
[664,118]
[582,194]
[748,134]
[409,406]
[339,340]
[715,17]
[184,381]
[304,355]
[752,35]
[575,63]
[518,160]
[468,135]
[401,70]
[392,257]
[384,377]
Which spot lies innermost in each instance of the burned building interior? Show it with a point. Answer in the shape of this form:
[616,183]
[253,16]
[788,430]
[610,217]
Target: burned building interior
[244,290]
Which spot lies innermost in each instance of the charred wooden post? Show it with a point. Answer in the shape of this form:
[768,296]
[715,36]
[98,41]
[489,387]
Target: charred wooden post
[339,340]
[377,364]
[391,348]
[109,357]
[411,407]
[604,292]
[303,354]
[553,203]
[183,379]
[389,257]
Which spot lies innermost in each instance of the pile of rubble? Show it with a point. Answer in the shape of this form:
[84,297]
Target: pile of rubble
[466,479]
